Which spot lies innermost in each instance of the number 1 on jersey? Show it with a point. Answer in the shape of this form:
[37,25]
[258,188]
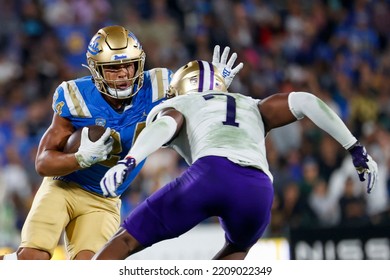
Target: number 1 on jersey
[230,108]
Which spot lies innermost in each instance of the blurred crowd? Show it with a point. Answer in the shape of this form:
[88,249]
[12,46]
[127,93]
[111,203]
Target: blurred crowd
[336,49]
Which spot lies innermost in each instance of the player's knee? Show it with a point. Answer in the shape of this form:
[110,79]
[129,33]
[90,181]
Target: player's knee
[130,242]
[235,248]
[32,254]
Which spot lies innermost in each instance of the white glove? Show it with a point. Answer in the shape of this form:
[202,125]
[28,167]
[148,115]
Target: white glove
[226,68]
[371,173]
[115,176]
[92,152]
[366,167]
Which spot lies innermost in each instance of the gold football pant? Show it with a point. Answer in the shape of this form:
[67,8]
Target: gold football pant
[88,220]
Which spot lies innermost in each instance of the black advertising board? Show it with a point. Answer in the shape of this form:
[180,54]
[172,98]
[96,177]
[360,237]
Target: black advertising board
[367,243]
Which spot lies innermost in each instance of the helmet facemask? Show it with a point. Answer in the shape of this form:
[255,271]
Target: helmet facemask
[114,46]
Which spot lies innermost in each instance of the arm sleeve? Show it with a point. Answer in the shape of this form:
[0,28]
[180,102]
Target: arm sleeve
[152,137]
[305,104]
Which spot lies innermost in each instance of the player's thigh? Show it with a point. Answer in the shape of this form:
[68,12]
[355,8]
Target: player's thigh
[169,212]
[248,212]
[47,217]
[92,229]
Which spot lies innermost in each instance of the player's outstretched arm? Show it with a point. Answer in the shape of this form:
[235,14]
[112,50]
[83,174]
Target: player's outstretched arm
[281,109]
[225,67]
[152,137]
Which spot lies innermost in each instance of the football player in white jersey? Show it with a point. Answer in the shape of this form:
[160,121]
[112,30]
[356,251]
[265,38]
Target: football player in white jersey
[221,135]
[117,95]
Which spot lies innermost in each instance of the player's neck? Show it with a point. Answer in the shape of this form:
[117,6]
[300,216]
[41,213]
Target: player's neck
[117,104]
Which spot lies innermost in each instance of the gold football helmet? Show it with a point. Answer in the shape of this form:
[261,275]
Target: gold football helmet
[197,75]
[115,45]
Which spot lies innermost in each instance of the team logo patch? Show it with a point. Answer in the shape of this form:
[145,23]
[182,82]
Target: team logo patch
[100,122]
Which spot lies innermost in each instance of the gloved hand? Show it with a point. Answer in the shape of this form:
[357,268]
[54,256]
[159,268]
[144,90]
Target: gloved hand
[92,152]
[365,166]
[115,176]
[226,69]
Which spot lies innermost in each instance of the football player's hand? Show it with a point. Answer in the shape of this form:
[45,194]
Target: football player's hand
[91,152]
[115,176]
[366,167]
[225,68]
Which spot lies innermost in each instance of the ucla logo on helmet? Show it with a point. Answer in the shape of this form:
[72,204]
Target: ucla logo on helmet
[118,56]
[93,46]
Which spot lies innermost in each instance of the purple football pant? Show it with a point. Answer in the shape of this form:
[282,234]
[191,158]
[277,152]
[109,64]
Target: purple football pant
[213,186]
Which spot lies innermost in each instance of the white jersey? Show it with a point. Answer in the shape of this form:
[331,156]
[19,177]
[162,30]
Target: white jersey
[219,124]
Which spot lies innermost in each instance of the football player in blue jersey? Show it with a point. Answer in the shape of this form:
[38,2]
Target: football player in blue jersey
[221,135]
[118,96]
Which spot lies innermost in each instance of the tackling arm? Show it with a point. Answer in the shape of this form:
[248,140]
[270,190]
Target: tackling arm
[305,104]
[282,109]
[153,136]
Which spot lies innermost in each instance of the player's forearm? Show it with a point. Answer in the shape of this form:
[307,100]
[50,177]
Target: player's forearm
[55,163]
[153,137]
[306,104]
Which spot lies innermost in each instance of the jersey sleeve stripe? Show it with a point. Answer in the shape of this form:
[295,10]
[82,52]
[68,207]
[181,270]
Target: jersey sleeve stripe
[159,77]
[75,101]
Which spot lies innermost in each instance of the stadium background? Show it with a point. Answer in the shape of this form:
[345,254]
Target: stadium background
[337,49]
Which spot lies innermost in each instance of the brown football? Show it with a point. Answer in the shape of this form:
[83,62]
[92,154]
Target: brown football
[73,142]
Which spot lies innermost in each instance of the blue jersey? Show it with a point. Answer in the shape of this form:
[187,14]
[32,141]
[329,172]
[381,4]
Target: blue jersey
[80,102]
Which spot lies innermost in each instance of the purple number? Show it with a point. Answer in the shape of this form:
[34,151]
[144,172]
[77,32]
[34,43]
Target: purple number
[230,108]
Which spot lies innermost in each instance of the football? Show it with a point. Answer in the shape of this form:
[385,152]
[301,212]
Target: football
[73,142]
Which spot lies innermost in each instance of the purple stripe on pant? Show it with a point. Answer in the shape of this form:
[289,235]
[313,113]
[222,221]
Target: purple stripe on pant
[213,186]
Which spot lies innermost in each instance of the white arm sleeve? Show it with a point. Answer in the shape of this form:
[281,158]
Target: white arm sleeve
[306,104]
[152,137]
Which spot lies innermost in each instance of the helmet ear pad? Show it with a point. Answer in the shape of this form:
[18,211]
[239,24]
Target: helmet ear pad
[198,76]
[115,45]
